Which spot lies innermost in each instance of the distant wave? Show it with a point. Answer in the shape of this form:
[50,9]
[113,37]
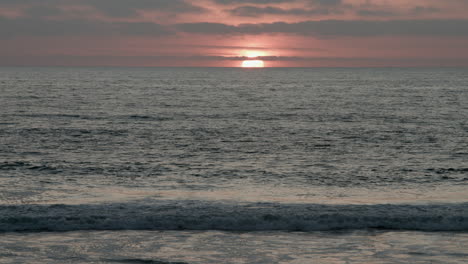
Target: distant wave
[197,215]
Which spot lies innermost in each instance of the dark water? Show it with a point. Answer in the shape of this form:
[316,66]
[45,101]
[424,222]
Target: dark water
[271,150]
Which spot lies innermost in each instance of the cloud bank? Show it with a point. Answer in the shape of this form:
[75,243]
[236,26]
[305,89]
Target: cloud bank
[222,30]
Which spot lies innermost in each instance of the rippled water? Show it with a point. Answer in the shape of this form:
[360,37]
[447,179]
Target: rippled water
[271,150]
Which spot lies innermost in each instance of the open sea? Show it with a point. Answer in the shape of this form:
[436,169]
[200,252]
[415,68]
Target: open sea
[227,165]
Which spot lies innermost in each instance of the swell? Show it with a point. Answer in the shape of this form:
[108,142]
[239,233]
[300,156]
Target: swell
[198,215]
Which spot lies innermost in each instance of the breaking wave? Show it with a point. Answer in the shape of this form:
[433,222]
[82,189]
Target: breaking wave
[198,215]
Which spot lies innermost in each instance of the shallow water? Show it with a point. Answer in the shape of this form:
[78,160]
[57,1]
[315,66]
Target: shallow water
[227,247]
[179,153]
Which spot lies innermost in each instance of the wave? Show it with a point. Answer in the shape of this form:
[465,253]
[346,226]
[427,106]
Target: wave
[27,165]
[198,215]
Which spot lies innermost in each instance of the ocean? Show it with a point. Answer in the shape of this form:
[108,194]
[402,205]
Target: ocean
[232,165]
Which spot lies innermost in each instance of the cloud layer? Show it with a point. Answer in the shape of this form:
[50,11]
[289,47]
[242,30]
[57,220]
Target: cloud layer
[356,28]
[225,29]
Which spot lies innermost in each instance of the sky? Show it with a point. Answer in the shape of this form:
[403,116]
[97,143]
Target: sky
[224,33]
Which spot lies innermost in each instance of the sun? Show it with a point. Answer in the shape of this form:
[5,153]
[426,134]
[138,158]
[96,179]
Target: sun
[253,58]
[253,64]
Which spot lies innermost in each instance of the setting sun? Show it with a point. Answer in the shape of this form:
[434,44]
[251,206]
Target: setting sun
[253,64]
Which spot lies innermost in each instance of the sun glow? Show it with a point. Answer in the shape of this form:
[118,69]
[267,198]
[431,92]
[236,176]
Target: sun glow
[253,64]
[254,54]
[253,58]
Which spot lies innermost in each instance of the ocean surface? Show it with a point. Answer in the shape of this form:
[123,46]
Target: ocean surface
[226,165]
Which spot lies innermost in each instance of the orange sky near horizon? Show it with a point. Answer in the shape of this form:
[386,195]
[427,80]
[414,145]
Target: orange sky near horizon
[224,33]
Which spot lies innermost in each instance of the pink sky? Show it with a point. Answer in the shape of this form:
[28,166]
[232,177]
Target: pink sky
[223,33]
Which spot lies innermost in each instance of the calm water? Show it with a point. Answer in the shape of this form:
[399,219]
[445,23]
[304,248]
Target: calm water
[118,165]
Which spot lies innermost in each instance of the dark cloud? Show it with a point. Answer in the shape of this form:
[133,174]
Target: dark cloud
[37,26]
[269,2]
[391,12]
[26,2]
[42,11]
[377,13]
[350,28]
[254,11]
[116,8]
[325,2]
[313,7]
[43,27]
[208,28]
[130,7]
[418,10]
[230,2]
